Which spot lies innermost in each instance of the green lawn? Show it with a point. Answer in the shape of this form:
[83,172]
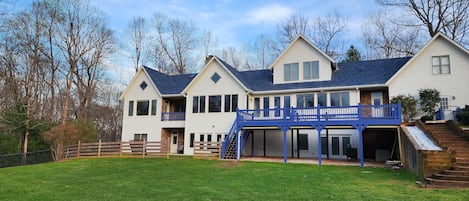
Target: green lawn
[183,178]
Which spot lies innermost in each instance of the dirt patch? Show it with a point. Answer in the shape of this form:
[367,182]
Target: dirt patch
[229,164]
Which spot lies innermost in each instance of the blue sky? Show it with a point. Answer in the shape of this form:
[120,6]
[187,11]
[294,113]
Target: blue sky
[233,22]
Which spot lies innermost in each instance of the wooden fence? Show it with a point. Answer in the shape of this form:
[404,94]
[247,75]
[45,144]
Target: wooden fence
[117,149]
[210,150]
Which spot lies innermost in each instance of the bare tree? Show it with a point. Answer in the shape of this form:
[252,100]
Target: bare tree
[208,42]
[175,39]
[138,36]
[289,29]
[385,39]
[450,17]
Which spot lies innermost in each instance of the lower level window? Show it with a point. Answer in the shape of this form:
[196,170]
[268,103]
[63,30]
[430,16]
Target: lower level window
[140,137]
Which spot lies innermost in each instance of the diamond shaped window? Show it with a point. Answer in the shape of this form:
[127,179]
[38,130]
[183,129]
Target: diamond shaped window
[215,77]
[143,85]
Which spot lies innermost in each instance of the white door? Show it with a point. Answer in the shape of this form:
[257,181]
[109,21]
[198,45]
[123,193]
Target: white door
[174,142]
[377,101]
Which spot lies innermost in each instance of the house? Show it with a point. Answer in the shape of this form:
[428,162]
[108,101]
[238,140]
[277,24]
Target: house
[306,105]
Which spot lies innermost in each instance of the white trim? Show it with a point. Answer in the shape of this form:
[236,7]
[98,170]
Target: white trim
[291,44]
[422,50]
[316,89]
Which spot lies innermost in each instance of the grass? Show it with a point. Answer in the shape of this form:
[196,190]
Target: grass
[183,178]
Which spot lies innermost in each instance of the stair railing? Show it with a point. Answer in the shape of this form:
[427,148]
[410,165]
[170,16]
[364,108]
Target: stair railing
[228,138]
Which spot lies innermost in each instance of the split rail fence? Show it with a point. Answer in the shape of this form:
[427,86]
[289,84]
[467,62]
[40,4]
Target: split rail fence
[100,149]
[209,150]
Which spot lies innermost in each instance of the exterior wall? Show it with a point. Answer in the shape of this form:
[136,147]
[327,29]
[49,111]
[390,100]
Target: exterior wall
[150,125]
[211,123]
[274,142]
[300,52]
[418,74]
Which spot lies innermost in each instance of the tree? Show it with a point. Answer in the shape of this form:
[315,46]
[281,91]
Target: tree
[385,39]
[352,55]
[408,104]
[175,40]
[450,17]
[429,100]
[138,36]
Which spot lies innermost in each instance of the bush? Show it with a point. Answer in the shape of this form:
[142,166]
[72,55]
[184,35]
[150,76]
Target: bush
[425,118]
[429,100]
[408,104]
[463,117]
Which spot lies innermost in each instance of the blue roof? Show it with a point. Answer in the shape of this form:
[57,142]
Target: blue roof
[169,84]
[372,72]
[349,74]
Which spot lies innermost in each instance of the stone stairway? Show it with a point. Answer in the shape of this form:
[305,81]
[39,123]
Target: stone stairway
[445,137]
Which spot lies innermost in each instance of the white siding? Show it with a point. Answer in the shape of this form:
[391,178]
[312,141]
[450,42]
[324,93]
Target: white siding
[418,74]
[150,125]
[211,123]
[299,52]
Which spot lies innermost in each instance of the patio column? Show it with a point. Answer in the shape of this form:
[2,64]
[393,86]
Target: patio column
[319,129]
[360,128]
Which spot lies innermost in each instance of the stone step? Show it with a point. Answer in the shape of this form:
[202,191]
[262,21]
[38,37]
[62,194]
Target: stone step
[447,183]
[461,168]
[452,177]
[456,172]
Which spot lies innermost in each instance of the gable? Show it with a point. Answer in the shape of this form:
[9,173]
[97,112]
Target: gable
[214,79]
[297,53]
[135,91]
[418,72]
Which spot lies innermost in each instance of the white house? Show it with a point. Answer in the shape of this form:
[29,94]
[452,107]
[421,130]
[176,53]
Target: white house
[306,105]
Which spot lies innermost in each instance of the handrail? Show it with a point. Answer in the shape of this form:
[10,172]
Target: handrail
[173,116]
[227,140]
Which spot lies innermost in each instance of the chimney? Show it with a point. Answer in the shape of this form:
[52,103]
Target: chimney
[208,58]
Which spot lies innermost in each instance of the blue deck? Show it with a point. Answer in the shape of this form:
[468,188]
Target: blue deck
[359,117]
[389,114]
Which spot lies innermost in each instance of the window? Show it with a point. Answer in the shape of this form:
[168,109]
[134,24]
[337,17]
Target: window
[335,146]
[324,145]
[257,106]
[218,137]
[440,65]
[131,108]
[142,107]
[209,138]
[198,104]
[266,106]
[214,104]
[444,103]
[290,72]
[322,99]
[201,137]
[305,100]
[303,142]
[140,137]
[277,105]
[153,107]
[231,103]
[191,142]
[311,70]
[143,85]
[340,99]
[215,77]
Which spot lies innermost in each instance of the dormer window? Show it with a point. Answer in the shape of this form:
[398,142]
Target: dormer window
[310,70]
[290,72]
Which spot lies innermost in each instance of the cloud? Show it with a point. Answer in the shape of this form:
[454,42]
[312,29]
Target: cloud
[271,13]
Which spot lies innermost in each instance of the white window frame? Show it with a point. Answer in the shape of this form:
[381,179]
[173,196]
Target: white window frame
[437,68]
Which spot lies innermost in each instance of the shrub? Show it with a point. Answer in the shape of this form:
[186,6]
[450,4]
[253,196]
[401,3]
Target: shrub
[408,104]
[429,100]
[425,118]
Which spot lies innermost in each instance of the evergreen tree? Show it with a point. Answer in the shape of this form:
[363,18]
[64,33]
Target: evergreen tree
[352,55]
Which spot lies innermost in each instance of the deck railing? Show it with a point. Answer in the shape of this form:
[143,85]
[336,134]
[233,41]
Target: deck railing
[336,113]
[173,116]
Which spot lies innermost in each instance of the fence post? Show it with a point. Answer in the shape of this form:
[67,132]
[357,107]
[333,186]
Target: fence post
[219,149]
[144,147]
[78,149]
[120,149]
[168,149]
[99,148]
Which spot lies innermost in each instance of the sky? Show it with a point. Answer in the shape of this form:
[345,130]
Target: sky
[233,23]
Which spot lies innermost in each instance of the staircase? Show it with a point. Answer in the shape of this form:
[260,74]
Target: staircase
[230,152]
[229,145]
[458,175]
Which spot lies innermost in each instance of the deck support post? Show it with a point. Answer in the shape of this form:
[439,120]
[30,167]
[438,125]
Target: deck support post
[284,130]
[319,129]
[238,140]
[360,128]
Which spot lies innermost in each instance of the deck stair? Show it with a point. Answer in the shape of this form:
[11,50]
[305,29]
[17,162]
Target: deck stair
[445,137]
